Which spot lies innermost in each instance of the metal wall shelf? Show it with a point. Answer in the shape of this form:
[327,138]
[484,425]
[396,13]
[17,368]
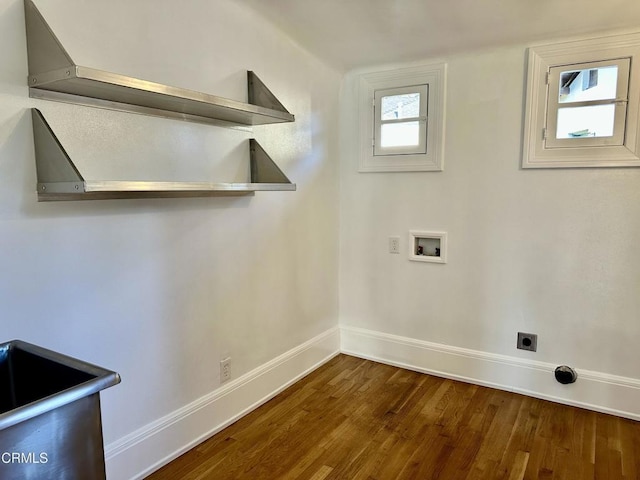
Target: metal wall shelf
[53,75]
[59,179]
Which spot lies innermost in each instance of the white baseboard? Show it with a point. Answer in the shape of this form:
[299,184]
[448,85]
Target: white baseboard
[147,449]
[593,390]
[154,445]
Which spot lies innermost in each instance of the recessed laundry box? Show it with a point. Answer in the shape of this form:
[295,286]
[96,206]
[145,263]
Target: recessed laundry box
[50,425]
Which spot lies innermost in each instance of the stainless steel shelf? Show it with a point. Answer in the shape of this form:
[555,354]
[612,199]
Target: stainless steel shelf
[59,179]
[53,75]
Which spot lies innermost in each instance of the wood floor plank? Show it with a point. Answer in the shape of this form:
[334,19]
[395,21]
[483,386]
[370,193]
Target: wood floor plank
[519,466]
[354,419]
[322,473]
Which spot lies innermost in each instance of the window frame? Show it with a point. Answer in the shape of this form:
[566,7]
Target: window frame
[620,105]
[535,151]
[422,119]
[433,75]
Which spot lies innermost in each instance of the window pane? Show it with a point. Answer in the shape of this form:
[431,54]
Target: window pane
[400,106]
[580,122]
[589,84]
[403,134]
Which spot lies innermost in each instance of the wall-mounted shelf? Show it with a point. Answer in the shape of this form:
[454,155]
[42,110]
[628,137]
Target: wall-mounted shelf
[53,75]
[59,179]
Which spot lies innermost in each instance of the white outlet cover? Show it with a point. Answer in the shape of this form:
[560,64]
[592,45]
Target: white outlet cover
[394,245]
[225,369]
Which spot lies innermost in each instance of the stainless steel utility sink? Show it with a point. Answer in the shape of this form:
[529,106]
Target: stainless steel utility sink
[50,425]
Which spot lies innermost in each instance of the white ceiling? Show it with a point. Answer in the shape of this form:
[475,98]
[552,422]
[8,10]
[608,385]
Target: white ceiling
[355,33]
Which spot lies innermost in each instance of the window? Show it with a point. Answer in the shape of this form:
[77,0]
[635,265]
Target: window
[582,104]
[587,104]
[402,119]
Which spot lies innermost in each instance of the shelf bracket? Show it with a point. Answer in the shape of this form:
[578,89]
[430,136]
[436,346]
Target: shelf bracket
[44,50]
[260,95]
[56,172]
[263,169]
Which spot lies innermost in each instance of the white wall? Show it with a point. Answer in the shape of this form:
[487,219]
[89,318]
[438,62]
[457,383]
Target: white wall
[552,252]
[162,290]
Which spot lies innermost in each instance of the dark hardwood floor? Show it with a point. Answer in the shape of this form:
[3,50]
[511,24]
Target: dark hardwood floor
[357,419]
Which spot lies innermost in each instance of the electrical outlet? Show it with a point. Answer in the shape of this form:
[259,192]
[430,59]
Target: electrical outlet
[394,244]
[225,369]
[527,341]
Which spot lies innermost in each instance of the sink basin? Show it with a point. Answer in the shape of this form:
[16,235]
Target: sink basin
[50,422]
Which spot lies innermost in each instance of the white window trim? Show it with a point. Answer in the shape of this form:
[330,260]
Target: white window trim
[541,59]
[435,76]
